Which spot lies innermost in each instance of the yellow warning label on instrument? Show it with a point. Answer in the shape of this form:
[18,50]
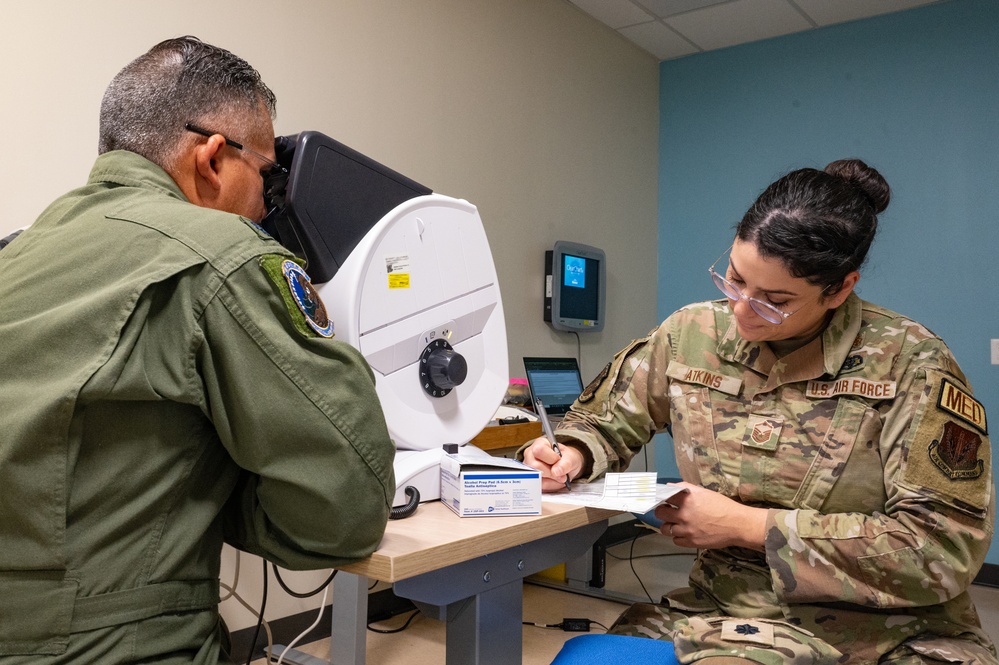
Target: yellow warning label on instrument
[397,267]
[399,281]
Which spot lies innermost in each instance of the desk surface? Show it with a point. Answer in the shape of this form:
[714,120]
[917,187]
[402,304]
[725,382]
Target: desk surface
[435,537]
[496,437]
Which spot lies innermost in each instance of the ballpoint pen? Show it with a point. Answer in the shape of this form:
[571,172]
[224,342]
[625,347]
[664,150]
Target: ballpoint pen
[546,426]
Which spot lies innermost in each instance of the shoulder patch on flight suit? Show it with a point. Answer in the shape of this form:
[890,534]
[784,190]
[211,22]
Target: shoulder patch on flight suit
[956,452]
[304,304]
[590,390]
[949,451]
[704,377]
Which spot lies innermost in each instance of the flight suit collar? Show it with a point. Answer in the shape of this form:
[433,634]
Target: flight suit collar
[121,167]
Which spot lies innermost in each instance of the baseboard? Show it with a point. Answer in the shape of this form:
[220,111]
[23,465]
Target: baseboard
[381,605]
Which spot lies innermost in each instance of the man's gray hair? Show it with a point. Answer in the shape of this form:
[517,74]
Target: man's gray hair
[182,80]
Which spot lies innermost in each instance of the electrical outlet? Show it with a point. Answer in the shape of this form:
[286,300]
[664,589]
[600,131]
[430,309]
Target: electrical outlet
[995,352]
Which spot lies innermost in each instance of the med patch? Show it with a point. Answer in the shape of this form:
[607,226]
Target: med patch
[956,401]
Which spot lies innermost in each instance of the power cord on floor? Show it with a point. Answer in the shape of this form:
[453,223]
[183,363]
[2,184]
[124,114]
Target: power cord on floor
[389,631]
[569,625]
[632,558]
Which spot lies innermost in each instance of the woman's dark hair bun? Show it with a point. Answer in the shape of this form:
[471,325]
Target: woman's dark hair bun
[865,178]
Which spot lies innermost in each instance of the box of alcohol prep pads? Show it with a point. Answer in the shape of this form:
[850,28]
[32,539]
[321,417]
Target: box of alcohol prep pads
[476,484]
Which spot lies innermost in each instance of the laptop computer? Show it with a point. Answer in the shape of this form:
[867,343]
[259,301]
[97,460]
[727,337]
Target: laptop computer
[555,381]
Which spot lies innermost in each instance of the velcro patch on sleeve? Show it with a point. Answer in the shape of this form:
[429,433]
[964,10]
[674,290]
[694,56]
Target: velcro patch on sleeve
[304,304]
[594,385]
[949,454]
[598,386]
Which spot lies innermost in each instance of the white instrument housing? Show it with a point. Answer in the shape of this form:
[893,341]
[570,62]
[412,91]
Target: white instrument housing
[423,276]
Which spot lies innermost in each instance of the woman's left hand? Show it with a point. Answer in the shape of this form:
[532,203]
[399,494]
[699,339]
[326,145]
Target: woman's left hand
[705,519]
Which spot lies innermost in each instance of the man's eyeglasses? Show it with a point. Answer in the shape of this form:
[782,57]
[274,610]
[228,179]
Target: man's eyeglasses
[275,176]
[767,312]
[273,168]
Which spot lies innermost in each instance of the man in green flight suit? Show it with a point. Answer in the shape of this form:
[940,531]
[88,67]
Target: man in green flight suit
[170,383]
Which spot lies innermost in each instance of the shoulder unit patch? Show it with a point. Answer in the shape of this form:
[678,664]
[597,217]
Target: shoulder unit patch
[307,298]
[591,389]
[956,452]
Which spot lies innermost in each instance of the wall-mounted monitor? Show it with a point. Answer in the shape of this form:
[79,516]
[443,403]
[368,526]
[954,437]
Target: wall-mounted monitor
[575,287]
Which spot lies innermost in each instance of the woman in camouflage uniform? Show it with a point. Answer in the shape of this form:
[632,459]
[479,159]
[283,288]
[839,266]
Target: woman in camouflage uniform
[837,466]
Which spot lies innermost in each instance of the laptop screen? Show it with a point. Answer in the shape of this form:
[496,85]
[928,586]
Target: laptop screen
[555,381]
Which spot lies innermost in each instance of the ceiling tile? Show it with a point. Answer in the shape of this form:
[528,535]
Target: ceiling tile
[615,13]
[824,12]
[738,22]
[659,40]
[663,8]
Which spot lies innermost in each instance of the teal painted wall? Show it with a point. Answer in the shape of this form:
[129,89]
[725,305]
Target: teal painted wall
[914,94]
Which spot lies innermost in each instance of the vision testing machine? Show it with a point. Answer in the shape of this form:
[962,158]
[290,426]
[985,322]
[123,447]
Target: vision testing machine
[408,279]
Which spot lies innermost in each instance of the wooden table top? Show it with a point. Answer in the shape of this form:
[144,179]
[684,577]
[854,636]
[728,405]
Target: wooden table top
[435,537]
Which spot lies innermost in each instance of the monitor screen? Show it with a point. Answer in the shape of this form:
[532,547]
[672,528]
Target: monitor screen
[578,284]
[555,381]
[580,299]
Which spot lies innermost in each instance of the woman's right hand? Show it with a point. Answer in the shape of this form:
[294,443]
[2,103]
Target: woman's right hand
[554,469]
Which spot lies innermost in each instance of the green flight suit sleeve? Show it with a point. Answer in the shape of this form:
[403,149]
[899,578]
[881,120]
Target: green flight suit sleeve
[299,414]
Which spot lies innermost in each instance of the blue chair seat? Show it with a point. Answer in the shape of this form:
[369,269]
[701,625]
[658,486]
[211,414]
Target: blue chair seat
[615,650]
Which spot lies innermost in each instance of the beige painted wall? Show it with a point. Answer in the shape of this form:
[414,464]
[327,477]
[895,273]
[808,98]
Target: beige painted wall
[530,109]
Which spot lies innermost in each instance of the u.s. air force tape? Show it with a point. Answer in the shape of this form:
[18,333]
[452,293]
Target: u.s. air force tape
[307,298]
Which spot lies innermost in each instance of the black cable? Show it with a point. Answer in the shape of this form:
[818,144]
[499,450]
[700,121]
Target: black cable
[388,631]
[568,625]
[657,555]
[413,501]
[260,620]
[551,626]
[296,594]
[631,562]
